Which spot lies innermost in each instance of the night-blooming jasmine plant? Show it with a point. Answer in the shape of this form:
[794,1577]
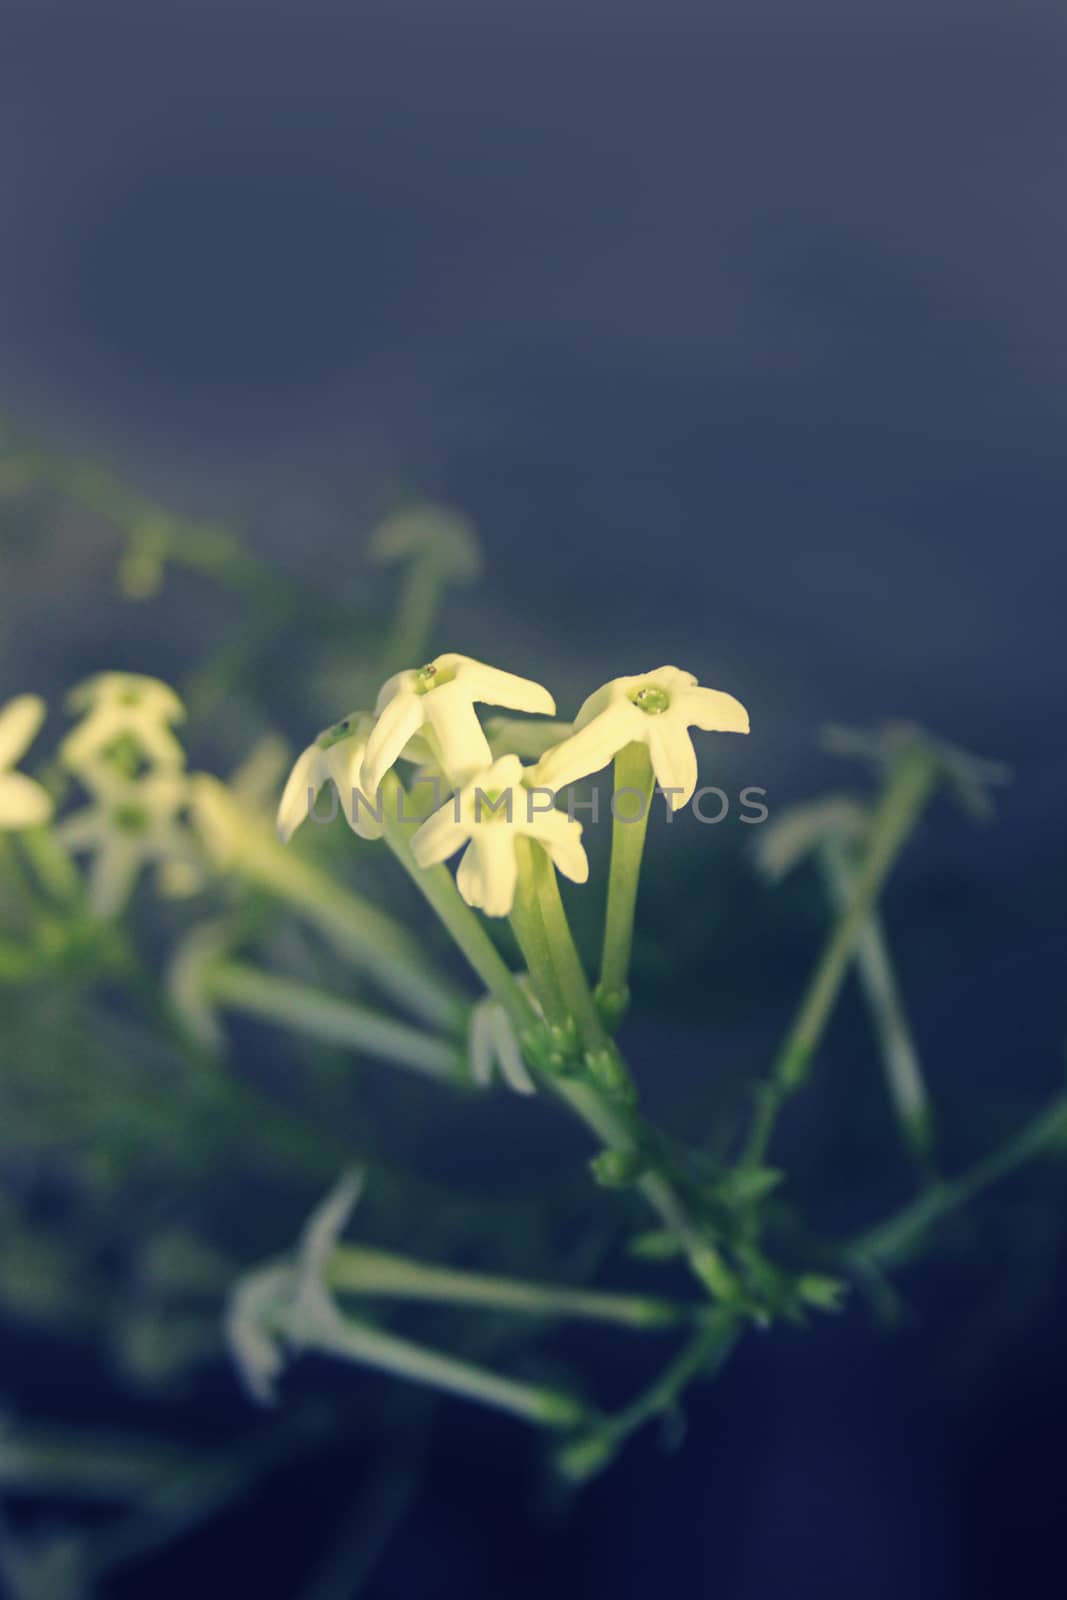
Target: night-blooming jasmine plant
[284,937]
[23,802]
[440,699]
[655,709]
[489,815]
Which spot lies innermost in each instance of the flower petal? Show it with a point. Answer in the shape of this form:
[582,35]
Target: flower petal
[592,748]
[506,1049]
[674,760]
[344,764]
[496,688]
[400,717]
[301,789]
[489,872]
[157,742]
[480,1043]
[597,702]
[562,838]
[712,710]
[440,836]
[464,747]
[23,803]
[19,722]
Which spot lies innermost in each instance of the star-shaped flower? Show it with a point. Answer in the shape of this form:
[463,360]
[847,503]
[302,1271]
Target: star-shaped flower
[799,830]
[335,757]
[656,709]
[23,802]
[123,706]
[128,824]
[489,815]
[279,1307]
[440,697]
[970,777]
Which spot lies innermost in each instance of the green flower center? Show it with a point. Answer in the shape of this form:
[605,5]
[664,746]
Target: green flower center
[129,697]
[432,676]
[491,805]
[651,699]
[125,755]
[331,736]
[130,818]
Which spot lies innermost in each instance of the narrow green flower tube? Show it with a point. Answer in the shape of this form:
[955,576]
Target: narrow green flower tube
[633,775]
[368,936]
[893,1241]
[297,1005]
[528,926]
[410,635]
[909,788]
[564,955]
[354,1269]
[358,1341]
[903,1074]
[437,887]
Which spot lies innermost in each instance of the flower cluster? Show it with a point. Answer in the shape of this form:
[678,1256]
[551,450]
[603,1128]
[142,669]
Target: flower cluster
[427,715]
[125,755]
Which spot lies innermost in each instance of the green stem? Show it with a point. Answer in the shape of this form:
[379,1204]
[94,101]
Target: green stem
[570,973]
[892,1241]
[908,790]
[528,926]
[633,771]
[704,1354]
[412,629]
[56,1461]
[358,1341]
[617,1128]
[366,935]
[904,1079]
[436,886]
[353,1269]
[297,1005]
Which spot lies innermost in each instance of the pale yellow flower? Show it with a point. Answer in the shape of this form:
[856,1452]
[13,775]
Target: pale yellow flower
[440,697]
[335,757]
[656,709]
[129,824]
[493,1047]
[488,815]
[23,802]
[120,706]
